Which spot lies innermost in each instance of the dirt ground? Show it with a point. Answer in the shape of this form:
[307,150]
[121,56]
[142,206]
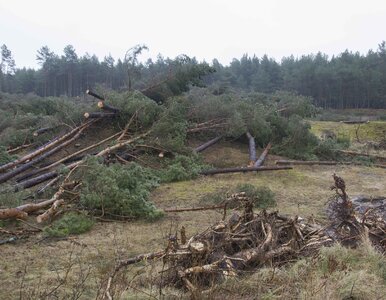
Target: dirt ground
[76,267]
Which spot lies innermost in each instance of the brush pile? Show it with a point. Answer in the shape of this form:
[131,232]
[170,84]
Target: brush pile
[247,241]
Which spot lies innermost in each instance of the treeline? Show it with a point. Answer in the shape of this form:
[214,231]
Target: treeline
[348,80]
[71,75]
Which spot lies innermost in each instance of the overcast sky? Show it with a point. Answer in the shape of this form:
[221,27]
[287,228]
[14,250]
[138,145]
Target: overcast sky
[205,29]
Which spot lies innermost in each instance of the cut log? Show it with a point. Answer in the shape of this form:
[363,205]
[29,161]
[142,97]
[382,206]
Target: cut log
[101,153]
[88,92]
[14,150]
[312,162]
[48,214]
[97,115]
[23,210]
[64,159]
[168,210]
[138,258]
[353,153]
[252,149]
[263,155]
[252,169]
[42,149]
[35,181]
[104,106]
[355,122]
[12,213]
[42,130]
[6,176]
[208,144]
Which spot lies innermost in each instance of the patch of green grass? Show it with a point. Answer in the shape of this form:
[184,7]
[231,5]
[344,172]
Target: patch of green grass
[71,223]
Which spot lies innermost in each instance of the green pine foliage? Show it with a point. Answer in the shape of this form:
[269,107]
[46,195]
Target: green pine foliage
[262,197]
[70,223]
[5,157]
[118,190]
[181,168]
[170,130]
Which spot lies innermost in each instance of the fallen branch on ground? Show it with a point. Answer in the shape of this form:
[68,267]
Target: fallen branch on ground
[236,170]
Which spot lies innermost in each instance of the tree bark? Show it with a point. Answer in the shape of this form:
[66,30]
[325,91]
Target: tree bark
[42,130]
[48,214]
[35,181]
[6,176]
[42,149]
[167,210]
[23,210]
[96,115]
[104,106]
[208,144]
[88,92]
[263,155]
[313,162]
[252,149]
[252,169]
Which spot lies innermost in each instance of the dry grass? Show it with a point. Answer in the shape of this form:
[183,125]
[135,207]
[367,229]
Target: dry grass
[303,191]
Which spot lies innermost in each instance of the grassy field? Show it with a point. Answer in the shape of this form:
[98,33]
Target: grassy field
[38,268]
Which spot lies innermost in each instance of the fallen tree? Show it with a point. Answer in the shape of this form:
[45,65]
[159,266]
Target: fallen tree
[43,149]
[208,144]
[6,176]
[89,92]
[263,155]
[22,211]
[97,115]
[311,162]
[252,149]
[354,153]
[247,169]
[102,105]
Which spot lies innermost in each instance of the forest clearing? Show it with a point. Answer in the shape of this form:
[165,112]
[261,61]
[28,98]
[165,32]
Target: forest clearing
[119,199]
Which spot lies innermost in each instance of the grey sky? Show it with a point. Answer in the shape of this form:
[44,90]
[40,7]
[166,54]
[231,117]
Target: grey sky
[206,29]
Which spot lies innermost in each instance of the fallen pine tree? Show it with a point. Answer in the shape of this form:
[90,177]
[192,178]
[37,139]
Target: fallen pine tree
[243,170]
[208,144]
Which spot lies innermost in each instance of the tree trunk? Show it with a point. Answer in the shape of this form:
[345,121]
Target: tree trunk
[313,162]
[104,106]
[252,149]
[252,169]
[263,155]
[35,181]
[88,92]
[42,149]
[208,144]
[96,115]
[6,176]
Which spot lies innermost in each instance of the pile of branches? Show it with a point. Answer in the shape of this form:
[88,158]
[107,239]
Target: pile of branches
[247,241]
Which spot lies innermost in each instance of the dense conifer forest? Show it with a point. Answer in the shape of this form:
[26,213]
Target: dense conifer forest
[348,80]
